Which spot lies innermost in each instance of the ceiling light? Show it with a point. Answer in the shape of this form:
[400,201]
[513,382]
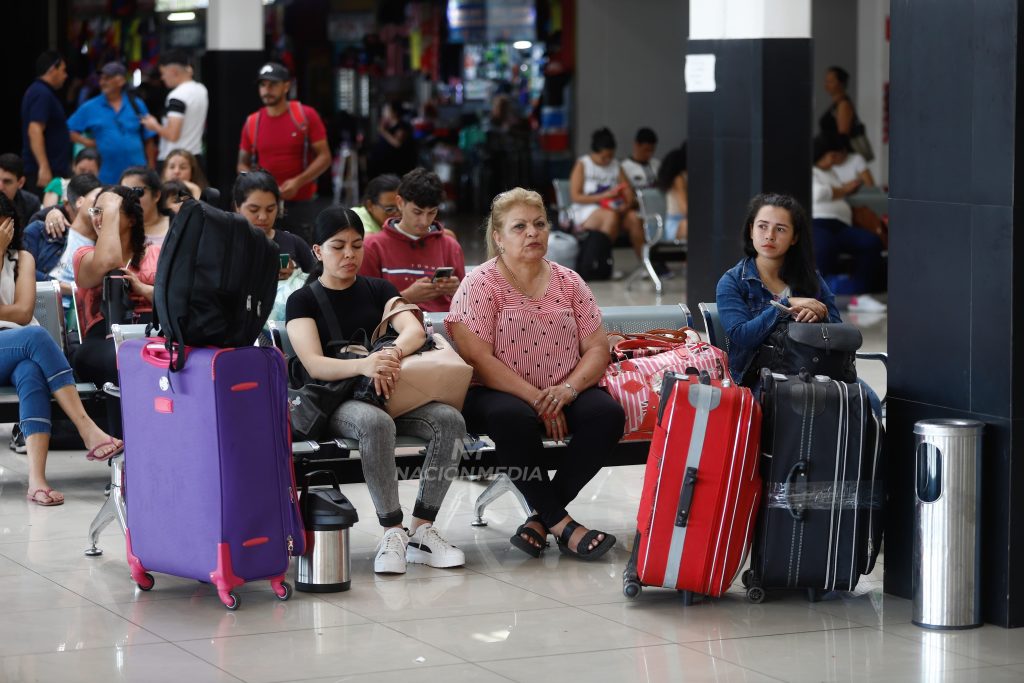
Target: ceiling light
[522,45]
[181,16]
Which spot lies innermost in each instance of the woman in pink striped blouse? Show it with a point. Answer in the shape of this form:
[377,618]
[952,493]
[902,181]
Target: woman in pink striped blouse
[532,331]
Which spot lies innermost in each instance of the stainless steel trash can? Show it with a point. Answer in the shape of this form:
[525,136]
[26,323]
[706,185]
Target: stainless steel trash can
[326,566]
[947,524]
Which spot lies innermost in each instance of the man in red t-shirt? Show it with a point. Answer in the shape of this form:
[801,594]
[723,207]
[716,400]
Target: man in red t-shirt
[289,141]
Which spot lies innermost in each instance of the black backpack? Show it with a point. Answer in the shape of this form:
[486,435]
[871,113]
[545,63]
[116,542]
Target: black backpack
[594,260]
[215,280]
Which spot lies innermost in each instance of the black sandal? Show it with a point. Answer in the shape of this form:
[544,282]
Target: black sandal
[587,553]
[529,548]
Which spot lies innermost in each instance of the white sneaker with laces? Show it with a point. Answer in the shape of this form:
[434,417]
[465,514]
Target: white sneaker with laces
[426,546]
[865,303]
[391,552]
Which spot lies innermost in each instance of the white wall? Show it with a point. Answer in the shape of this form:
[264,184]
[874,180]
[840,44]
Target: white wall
[629,71]
[234,25]
[717,19]
[873,75]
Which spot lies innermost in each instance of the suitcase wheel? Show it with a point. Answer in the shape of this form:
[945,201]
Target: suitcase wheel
[232,602]
[147,582]
[755,594]
[631,589]
[284,592]
[745,577]
[813,595]
[687,597]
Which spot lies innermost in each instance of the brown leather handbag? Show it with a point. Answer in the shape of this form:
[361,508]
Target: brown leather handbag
[434,373]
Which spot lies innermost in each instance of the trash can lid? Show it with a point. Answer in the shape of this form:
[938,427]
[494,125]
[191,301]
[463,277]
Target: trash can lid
[947,427]
[328,508]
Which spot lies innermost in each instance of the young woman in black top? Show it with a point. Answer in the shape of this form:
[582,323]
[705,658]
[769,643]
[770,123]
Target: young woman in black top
[358,303]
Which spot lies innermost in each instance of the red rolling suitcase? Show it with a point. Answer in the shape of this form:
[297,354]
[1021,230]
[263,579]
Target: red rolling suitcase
[701,488]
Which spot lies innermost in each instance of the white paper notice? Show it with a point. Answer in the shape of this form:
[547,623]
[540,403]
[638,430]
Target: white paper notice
[700,73]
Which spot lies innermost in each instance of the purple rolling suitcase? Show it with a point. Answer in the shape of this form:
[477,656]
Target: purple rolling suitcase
[209,483]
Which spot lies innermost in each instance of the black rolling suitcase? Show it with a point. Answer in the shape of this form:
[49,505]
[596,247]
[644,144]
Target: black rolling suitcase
[820,524]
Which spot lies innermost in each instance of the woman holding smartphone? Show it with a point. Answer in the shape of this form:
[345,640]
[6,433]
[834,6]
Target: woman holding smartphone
[258,198]
[775,279]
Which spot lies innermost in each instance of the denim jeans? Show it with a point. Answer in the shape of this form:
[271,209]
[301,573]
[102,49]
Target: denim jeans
[440,425]
[35,365]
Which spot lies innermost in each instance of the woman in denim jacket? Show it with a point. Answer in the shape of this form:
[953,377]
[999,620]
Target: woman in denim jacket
[779,266]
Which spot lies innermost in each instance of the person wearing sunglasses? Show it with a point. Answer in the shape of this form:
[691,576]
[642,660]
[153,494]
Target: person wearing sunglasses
[380,202]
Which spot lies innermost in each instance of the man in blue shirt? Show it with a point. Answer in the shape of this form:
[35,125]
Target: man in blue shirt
[113,122]
[45,141]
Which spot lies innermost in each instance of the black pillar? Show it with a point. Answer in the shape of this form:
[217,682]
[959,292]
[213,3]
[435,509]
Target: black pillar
[230,78]
[753,134]
[956,257]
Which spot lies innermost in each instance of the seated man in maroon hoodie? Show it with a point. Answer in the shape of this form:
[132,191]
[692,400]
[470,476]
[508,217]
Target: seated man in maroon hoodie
[411,250]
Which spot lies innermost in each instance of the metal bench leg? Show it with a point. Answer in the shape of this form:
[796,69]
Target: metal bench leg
[495,490]
[650,270]
[113,508]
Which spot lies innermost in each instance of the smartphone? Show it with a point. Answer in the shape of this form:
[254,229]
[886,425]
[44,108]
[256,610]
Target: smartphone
[285,259]
[779,306]
[444,271]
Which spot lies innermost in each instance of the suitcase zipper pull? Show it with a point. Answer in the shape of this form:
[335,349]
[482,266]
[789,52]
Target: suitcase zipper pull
[248,303]
[291,544]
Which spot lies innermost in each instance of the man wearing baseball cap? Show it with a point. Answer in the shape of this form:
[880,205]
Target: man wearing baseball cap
[288,139]
[112,123]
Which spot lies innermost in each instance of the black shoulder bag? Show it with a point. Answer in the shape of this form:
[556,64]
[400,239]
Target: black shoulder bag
[828,349]
[310,401]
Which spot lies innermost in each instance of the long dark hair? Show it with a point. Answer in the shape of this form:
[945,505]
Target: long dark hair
[672,165]
[151,179]
[133,210]
[256,180]
[7,210]
[329,223]
[798,269]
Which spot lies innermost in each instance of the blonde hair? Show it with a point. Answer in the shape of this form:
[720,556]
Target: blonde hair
[500,207]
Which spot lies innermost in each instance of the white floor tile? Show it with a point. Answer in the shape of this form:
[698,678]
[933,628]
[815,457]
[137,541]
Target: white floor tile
[449,596]
[452,673]
[858,654]
[990,644]
[68,628]
[655,663]
[160,663]
[318,652]
[532,633]
[260,612]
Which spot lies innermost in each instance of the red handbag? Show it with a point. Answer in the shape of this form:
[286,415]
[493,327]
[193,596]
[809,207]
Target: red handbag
[640,361]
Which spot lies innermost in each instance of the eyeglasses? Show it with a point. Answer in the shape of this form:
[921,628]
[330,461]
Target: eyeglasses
[95,211]
[388,209]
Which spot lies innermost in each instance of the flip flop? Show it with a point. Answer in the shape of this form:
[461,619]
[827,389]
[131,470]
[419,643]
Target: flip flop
[91,455]
[33,497]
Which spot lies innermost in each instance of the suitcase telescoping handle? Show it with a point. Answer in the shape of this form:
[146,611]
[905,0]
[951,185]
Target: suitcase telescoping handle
[799,469]
[686,497]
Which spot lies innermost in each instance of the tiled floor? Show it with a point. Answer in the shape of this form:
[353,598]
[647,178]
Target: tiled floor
[65,617]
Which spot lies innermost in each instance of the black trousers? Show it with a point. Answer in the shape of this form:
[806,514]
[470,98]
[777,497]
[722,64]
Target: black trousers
[96,361]
[595,421]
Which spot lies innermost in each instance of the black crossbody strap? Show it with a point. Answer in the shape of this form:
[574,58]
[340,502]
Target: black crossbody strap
[333,325]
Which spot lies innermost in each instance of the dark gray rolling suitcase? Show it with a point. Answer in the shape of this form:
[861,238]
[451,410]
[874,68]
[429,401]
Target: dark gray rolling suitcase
[820,525]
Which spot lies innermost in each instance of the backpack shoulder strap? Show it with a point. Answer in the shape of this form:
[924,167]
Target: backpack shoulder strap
[333,326]
[298,114]
[252,124]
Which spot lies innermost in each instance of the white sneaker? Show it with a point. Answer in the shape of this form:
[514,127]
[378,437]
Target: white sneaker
[427,547]
[391,552]
[865,303]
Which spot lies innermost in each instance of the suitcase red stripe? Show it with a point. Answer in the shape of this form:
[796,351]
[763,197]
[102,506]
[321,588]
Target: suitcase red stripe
[697,512]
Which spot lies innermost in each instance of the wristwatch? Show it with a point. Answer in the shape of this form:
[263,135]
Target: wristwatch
[575,394]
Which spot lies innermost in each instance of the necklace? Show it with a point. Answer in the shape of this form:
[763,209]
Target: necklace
[515,280]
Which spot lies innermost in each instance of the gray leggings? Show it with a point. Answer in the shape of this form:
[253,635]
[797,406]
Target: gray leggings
[440,425]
